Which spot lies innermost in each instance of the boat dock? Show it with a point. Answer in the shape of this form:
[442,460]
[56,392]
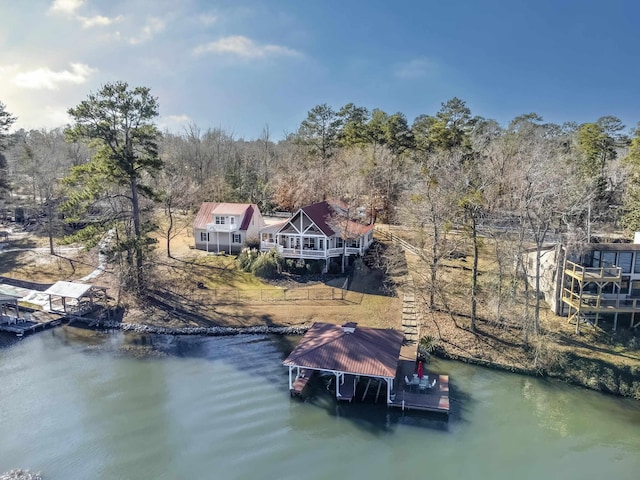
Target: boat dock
[431,396]
[29,323]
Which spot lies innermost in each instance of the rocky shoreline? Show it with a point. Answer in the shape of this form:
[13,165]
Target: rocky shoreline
[621,381]
[204,331]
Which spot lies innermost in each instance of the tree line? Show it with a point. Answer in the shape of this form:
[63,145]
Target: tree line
[510,186]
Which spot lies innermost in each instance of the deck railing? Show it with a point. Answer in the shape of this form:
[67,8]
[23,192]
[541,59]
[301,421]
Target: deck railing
[593,272]
[589,300]
[308,252]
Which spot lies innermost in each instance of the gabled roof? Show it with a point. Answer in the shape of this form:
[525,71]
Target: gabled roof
[209,209]
[330,222]
[205,215]
[361,350]
[320,213]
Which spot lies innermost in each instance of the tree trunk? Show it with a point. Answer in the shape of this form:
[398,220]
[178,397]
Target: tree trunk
[434,264]
[135,206]
[50,227]
[169,229]
[474,275]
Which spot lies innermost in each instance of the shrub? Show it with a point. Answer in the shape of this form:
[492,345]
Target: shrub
[334,267]
[267,265]
[246,258]
[314,267]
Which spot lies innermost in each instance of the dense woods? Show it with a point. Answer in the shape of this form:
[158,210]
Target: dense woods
[501,188]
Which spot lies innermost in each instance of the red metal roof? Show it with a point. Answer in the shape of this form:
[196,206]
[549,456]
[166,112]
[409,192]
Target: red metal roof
[208,209]
[330,222]
[205,215]
[320,213]
[366,351]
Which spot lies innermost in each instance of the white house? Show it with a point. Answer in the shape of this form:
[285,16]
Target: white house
[320,231]
[225,227]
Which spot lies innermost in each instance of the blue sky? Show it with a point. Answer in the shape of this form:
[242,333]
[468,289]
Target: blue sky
[241,65]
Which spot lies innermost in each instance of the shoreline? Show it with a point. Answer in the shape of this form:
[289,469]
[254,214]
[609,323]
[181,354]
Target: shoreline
[596,375]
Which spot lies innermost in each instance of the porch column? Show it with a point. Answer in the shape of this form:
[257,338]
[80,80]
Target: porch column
[389,388]
[290,381]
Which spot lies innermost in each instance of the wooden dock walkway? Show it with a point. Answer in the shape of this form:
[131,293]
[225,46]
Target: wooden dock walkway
[410,397]
[33,322]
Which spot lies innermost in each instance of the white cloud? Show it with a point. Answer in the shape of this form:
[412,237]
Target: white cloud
[98,20]
[69,7]
[66,7]
[244,47]
[154,25]
[208,19]
[416,68]
[44,78]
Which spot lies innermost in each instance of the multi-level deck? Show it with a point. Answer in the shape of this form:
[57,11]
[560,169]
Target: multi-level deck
[585,303]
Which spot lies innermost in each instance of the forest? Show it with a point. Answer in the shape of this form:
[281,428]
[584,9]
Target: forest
[454,179]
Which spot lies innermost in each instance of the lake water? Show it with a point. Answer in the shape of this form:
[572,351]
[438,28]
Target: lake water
[80,405]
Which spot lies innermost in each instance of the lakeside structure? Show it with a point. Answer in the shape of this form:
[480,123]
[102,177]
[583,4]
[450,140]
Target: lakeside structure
[353,356]
[320,231]
[67,302]
[592,282]
[226,227]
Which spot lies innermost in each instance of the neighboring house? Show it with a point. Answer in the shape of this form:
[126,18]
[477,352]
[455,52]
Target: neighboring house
[318,232]
[225,227]
[601,282]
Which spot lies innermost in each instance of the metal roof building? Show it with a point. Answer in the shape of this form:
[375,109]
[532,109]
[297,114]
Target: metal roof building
[348,352]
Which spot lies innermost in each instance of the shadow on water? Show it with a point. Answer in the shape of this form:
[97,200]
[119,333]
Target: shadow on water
[261,356]
[376,418]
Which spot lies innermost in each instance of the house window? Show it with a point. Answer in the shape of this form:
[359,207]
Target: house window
[220,220]
[608,259]
[309,243]
[354,243]
[232,220]
[636,267]
[236,238]
[624,286]
[635,289]
[204,236]
[624,261]
[321,244]
[339,243]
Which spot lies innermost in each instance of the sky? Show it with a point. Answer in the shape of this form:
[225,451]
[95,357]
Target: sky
[244,65]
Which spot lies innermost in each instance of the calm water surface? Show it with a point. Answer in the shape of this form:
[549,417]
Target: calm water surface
[79,405]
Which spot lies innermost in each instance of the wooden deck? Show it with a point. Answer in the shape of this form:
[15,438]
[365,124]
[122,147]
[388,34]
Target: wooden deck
[35,321]
[410,397]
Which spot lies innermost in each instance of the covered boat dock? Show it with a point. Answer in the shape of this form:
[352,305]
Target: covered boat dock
[353,354]
[74,298]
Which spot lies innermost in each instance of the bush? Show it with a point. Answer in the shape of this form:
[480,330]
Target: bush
[297,267]
[314,267]
[246,258]
[266,265]
[334,267]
